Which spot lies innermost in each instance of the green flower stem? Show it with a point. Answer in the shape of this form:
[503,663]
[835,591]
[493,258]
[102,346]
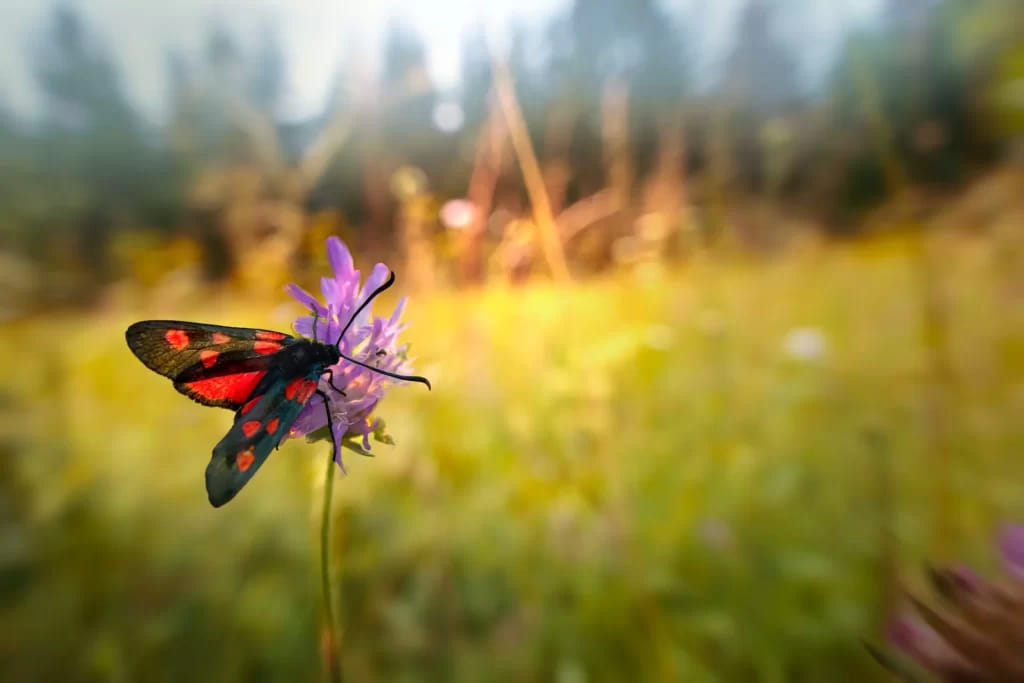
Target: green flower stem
[332,645]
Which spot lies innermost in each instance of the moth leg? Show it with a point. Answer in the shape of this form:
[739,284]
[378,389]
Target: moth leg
[330,371]
[327,410]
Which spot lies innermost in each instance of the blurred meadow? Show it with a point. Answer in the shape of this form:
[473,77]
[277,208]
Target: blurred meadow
[723,309]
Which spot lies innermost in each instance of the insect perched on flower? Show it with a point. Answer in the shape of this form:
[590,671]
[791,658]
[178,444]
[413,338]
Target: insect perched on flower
[282,386]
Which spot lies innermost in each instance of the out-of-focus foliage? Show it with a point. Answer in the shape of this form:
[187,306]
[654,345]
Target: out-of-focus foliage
[90,168]
[653,476]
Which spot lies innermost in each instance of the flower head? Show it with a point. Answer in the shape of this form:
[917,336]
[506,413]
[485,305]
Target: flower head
[1011,547]
[352,391]
[973,633]
[914,637]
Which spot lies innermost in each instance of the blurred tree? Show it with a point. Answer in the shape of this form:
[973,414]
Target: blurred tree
[208,142]
[25,206]
[920,89]
[923,98]
[620,72]
[989,41]
[402,119]
[250,178]
[340,185]
[760,91]
[21,189]
[633,48]
[476,78]
[104,167]
[481,157]
[266,78]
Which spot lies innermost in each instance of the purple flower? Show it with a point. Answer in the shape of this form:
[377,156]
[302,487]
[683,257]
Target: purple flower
[957,583]
[918,640]
[1011,546]
[369,339]
[973,633]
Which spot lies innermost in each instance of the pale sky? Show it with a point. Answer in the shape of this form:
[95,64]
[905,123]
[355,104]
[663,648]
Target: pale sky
[316,34]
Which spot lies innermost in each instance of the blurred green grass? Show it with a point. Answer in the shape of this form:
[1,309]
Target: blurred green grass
[628,477]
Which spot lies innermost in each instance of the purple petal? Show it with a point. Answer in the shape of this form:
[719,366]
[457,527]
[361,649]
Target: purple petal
[363,405]
[348,287]
[1011,545]
[338,432]
[399,309]
[327,325]
[329,288]
[304,326]
[310,419]
[377,277]
[363,427]
[920,641]
[305,298]
[376,332]
[903,633]
[962,580]
[339,258]
[333,329]
[966,579]
[354,336]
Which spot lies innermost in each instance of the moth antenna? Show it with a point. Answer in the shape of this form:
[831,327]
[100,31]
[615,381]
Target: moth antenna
[373,295]
[406,378]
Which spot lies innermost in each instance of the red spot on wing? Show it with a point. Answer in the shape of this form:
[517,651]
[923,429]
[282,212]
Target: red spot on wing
[236,388]
[293,388]
[306,391]
[220,338]
[250,427]
[267,335]
[177,339]
[249,404]
[272,425]
[266,347]
[244,459]
[209,357]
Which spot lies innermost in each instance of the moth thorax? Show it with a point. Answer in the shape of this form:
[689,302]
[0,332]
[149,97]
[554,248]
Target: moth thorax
[325,353]
[299,357]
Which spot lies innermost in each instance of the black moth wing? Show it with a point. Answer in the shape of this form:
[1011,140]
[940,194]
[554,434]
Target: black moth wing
[148,340]
[258,428]
[214,365]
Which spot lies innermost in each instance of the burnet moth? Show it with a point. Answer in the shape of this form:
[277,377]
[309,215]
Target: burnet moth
[266,377]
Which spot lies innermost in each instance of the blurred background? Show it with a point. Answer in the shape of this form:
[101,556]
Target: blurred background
[723,304]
